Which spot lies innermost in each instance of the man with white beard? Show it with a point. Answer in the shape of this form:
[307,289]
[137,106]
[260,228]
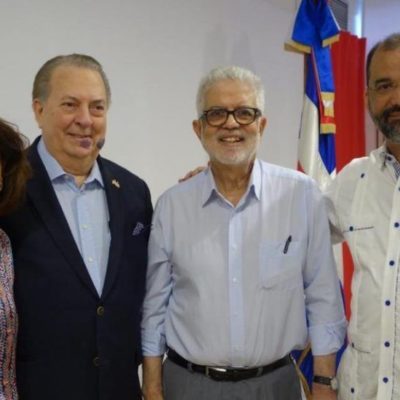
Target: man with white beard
[239,259]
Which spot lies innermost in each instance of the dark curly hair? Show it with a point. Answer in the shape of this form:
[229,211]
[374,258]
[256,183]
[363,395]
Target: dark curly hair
[15,166]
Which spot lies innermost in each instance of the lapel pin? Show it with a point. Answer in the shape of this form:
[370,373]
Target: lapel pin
[115,183]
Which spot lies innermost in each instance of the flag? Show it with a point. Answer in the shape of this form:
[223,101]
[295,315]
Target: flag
[315,29]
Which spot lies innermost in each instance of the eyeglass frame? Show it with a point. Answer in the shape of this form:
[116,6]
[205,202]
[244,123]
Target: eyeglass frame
[257,114]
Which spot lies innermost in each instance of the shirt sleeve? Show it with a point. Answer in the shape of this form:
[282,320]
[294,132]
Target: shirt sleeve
[158,289]
[324,305]
[331,201]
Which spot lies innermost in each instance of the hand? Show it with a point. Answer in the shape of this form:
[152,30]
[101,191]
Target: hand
[323,392]
[192,173]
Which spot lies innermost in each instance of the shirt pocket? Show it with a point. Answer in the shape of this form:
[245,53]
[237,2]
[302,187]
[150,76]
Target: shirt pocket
[360,343]
[280,269]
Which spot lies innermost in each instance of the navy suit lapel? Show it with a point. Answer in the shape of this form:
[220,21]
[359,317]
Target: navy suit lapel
[44,199]
[116,211]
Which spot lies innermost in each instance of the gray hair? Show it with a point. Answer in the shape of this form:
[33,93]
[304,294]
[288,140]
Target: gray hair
[390,43]
[41,83]
[234,73]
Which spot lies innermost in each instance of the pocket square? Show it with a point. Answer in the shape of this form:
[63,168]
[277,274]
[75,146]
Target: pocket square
[138,228]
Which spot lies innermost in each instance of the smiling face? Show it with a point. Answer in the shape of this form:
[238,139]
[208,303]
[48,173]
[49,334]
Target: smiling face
[73,117]
[384,92]
[230,144]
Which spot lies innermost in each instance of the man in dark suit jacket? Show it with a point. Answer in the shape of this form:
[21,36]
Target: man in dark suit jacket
[80,247]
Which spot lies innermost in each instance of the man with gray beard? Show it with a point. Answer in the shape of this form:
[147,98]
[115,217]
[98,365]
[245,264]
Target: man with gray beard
[364,210]
[239,261]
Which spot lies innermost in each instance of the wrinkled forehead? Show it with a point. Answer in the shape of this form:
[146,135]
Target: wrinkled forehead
[75,81]
[230,93]
[385,64]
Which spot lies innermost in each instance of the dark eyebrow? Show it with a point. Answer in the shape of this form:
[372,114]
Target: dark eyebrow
[103,101]
[382,80]
[69,98]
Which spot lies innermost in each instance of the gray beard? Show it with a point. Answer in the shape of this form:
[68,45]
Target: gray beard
[391,130]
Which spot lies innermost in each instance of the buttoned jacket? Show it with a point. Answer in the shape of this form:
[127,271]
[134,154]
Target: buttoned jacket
[73,344]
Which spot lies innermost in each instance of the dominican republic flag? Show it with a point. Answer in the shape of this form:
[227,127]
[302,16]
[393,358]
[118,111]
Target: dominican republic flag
[315,29]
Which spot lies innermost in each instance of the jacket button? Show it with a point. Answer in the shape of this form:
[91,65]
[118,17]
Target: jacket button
[100,311]
[96,361]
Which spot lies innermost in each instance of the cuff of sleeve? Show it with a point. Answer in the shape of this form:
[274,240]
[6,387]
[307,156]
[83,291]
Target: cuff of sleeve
[328,338]
[153,343]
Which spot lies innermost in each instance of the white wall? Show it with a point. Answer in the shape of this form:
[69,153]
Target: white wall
[154,53]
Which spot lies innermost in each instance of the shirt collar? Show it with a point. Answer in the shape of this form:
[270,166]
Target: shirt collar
[387,158]
[55,171]
[210,190]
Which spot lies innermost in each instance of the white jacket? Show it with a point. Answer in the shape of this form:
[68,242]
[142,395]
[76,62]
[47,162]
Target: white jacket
[364,210]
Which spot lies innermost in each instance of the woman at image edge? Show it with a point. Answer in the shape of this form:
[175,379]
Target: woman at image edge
[14,171]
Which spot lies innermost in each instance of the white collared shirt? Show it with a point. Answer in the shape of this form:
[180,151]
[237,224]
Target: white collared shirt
[364,210]
[232,286]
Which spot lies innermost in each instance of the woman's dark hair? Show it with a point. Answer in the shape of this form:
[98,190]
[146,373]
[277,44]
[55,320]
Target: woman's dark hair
[15,166]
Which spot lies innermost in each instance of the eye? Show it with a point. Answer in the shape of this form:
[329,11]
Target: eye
[217,113]
[244,113]
[98,109]
[69,105]
[385,87]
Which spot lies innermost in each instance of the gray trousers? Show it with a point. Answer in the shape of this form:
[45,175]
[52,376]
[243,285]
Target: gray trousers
[181,384]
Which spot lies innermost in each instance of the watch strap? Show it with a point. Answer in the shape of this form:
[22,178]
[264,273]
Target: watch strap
[323,380]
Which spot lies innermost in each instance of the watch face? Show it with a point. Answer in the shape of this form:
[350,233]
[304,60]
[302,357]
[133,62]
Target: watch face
[334,384]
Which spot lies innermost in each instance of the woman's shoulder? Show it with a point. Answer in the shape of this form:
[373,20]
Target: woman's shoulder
[5,247]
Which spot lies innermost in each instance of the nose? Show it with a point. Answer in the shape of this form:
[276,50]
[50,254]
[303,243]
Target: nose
[84,117]
[231,123]
[395,95]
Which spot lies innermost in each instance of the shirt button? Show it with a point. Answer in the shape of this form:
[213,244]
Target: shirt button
[387,302]
[84,226]
[352,390]
[234,280]
[90,259]
[391,263]
[96,361]
[351,229]
[387,344]
[396,224]
[362,175]
[385,379]
[100,311]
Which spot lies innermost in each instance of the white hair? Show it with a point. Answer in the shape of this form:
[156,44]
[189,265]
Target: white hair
[234,73]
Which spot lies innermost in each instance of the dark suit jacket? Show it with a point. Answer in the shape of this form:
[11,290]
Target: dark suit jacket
[73,344]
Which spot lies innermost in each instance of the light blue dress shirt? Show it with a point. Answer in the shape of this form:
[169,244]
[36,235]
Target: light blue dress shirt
[86,211]
[232,286]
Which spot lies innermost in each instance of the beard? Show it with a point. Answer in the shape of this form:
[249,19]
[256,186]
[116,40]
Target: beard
[390,129]
[234,157]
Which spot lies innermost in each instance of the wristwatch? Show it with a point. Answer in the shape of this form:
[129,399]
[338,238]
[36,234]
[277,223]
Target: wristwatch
[327,380]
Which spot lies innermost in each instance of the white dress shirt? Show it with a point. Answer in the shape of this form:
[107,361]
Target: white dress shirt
[364,210]
[232,286]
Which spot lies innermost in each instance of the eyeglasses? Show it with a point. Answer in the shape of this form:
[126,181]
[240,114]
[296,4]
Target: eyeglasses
[384,87]
[243,115]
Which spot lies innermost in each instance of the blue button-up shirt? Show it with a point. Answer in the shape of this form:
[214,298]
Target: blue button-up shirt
[86,211]
[232,286]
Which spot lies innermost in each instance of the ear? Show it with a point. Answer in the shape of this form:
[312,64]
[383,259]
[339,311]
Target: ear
[366,98]
[37,107]
[196,124]
[263,124]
